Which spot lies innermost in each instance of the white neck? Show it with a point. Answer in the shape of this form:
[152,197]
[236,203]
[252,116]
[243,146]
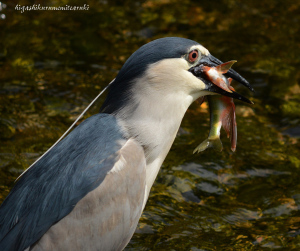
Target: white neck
[154,121]
[158,104]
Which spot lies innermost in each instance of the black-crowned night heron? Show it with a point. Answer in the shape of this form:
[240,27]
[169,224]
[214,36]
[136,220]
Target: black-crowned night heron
[89,191]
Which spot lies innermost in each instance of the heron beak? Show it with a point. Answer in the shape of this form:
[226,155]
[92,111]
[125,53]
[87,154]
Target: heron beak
[213,88]
[211,61]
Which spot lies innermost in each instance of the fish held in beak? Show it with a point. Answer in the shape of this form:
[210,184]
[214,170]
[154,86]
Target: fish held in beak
[212,61]
[213,75]
[222,108]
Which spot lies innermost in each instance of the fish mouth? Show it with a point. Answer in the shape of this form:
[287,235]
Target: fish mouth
[211,61]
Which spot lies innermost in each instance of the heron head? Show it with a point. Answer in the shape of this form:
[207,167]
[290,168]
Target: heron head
[166,66]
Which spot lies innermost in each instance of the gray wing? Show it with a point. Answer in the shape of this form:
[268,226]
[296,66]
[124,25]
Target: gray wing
[52,187]
[106,218]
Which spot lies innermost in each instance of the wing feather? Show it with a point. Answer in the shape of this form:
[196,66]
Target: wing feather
[53,186]
[106,218]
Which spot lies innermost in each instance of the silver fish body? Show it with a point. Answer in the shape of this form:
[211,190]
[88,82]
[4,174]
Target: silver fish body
[222,114]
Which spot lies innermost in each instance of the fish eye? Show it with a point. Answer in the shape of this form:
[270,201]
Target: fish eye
[193,56]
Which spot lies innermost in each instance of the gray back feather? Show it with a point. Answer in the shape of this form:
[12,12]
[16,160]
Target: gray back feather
[51,188]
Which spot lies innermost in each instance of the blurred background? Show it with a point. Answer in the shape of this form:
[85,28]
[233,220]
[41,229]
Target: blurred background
[53,63]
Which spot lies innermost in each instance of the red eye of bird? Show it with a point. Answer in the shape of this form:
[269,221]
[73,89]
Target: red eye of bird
[193,55]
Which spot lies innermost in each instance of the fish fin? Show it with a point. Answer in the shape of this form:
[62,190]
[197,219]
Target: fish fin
[230,80]
[225,67]
[233,131]
[200,100]
[215,143]
[230,127]
[221,83]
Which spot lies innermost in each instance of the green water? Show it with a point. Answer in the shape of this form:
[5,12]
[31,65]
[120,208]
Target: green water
[53,63]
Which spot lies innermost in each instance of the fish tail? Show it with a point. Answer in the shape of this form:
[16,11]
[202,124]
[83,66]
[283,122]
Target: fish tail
[215,143]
